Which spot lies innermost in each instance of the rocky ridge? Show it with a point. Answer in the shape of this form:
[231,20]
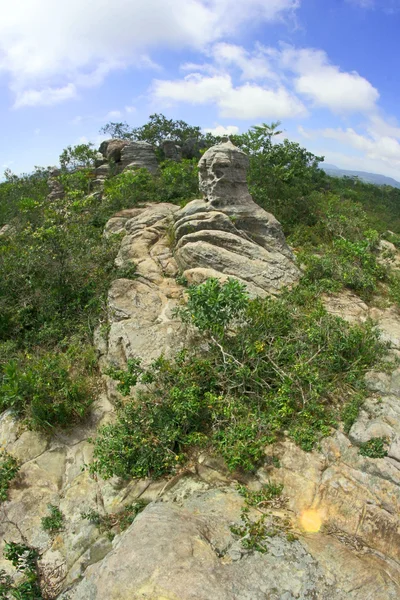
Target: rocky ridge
[181,546]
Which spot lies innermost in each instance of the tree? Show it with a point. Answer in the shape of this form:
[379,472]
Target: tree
[82,155]
[157,129]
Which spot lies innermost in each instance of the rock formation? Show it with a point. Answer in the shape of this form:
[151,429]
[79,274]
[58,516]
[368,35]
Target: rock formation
[171,150]
[227,233]
[181,546]
[129,155]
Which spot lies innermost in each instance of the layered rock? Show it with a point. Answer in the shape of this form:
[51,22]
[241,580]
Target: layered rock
[227,233]
[127,155]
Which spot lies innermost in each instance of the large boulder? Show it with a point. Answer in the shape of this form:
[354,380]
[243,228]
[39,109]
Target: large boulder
[171,150]
[136,155]
[129,155]
[228,232]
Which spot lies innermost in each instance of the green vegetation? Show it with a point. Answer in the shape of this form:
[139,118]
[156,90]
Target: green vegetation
[26,587]
[54,522]
[374,448]
[254,533]
[272,366]
[115,522]
[8,471]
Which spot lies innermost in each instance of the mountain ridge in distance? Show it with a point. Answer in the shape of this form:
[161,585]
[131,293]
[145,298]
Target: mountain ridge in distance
[365,176]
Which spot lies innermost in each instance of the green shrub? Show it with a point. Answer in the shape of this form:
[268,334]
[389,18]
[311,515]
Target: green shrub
[347,264]
[118,521]
[8,471]
[54,522]
[374,448]
[272,365]
[24,558]
[49,390]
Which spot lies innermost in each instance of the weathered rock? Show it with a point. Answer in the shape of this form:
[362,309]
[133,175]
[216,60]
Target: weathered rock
[55,187]
[192,147]
[139,155]
[228,232]
[112,149]
[171,150]
[185,551]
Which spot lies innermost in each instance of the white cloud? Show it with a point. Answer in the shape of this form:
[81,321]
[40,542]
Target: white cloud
[221,130]
[114,114]
[249,101]
[252,65]
[325,84]
[379,153]
[45,97]
[79,44]
[130,109]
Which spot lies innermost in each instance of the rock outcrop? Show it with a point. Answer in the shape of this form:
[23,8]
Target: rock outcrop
[181,547]
[227,233]
[128,155]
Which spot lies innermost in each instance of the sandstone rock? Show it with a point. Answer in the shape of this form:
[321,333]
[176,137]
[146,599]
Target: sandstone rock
[137,155]
[227,232]
[186,551]
[171,150]
[112,149]
[192,147]
[55,187]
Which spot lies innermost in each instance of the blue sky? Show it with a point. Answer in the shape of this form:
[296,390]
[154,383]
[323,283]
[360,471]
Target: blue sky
[326,68]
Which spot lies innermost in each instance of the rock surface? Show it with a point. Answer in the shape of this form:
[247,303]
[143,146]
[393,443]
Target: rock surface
[227,232]
[128,155]
[181,546]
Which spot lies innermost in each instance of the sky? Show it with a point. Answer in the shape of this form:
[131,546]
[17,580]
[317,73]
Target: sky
[327,69]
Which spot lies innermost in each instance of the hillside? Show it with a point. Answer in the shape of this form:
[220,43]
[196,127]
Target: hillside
[363,175]
[199,374]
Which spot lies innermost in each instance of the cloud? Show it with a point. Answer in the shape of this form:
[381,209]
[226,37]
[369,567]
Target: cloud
[388,6]
[45,97]
[253,66]
[248,101]
[324,84]
[380,153]
[221,130]
[78,44]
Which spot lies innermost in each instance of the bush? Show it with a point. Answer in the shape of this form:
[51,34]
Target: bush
[347,264]
[8,471]
[49,390]
[374,448]
[54,522]
[272,365]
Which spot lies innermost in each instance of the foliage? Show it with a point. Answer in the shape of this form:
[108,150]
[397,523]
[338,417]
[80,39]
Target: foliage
[55,269]
[272,365]
[115,522]
[8,471]
[345,263]
[374,448]
[176,182]
[54,522]
[75,157]
[157,129]
[212,306]
[254,533]
[49,389]
[24,558]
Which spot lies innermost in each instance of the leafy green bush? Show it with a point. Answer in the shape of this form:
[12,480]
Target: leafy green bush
[115,522]
[24,558]
[8,471]
[346,264]
[272,365]
[374,448]
[54,522]
[50,389]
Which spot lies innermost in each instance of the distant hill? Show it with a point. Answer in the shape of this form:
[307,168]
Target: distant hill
[334,171]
